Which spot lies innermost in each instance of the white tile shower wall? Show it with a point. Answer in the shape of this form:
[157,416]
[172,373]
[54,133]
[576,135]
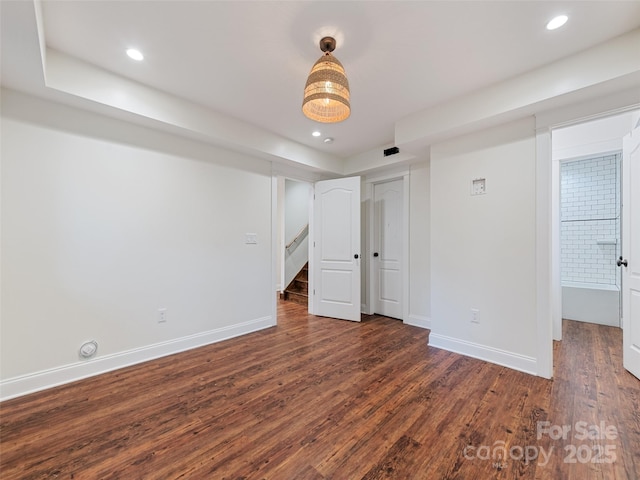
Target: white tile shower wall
[590,211]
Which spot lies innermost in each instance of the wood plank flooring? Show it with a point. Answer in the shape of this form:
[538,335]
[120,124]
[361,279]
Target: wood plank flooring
[317,398]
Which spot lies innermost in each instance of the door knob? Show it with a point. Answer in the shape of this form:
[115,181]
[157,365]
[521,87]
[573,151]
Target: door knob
[375,254]
[621,262]
[356,256]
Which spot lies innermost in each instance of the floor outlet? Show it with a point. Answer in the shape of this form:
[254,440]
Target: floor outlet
[162,315]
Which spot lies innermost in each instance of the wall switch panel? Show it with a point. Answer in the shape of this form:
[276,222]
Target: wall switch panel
[251,238]
[478,186]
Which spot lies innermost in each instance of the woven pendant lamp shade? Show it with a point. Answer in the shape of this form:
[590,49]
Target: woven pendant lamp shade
[326,94]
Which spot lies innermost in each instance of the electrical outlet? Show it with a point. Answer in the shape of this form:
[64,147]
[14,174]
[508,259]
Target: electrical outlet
[475,315]
[162,315]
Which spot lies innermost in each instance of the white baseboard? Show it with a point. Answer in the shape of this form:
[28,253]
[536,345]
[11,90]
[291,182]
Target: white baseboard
[418,321]
[494,355]
[25,384]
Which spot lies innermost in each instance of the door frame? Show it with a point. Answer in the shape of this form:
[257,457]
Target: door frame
[368,239]
[279,173]
[548,289]
[281,224]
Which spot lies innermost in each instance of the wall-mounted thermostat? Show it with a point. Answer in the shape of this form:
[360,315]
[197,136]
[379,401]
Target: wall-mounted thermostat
[478,186]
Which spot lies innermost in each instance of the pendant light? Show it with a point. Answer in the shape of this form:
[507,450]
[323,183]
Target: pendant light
[326,94]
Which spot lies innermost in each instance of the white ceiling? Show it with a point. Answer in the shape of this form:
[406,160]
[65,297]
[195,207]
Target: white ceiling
[250,59]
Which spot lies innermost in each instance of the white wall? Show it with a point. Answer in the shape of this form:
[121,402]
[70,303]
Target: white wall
[419,246]
[483,247]
[105,222]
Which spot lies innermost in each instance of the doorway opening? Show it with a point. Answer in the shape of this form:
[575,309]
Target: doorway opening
[590,238]
[586,206]
[294,250]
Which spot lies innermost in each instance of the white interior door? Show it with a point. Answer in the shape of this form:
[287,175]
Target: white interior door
[630,259]
[387,248]
[336,250]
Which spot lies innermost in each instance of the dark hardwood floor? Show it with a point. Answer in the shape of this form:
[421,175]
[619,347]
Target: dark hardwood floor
[316,398]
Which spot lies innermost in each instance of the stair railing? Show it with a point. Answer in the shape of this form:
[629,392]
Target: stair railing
[301,235]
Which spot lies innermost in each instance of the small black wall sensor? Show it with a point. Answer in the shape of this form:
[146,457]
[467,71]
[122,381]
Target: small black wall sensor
[391,151]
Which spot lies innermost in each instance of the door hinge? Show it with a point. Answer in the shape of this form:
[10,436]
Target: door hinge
[314,291]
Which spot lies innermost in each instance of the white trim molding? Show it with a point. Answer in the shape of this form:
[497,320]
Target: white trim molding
[482,352]
[544,282]
[23,385]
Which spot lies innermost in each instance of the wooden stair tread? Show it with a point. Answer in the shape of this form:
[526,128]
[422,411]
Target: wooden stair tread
[297,290]
[296,297]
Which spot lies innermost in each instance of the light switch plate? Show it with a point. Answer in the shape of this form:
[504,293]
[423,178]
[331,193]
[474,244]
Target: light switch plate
[478,186]
[251,238]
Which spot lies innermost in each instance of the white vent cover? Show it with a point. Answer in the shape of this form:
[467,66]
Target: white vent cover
[88,349]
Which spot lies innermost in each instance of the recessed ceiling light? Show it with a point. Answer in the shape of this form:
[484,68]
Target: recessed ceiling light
[328,140]
[557,22]
[135,54]
[316,133]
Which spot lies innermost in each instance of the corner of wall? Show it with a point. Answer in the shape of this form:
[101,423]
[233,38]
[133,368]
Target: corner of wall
[418,321]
